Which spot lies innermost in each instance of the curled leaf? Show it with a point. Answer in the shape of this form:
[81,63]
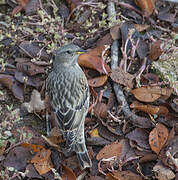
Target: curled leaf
[98,81]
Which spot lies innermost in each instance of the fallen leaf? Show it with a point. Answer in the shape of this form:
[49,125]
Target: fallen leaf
[151,93]
[68,174]
[100,110]
[155,51]
[12,84]
[140,138]
[35,104]
[105,40]
[18,158]
[28,80]
[29,68]
[111,150]
[122,77]
[152,78]
[93,59]
[158,137]
[42,161]
[150,109]
[98,81]
[147,6]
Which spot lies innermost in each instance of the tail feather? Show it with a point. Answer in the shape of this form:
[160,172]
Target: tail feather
[84,159]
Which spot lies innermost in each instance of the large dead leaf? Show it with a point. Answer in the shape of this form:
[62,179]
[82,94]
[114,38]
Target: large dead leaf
[94,60]
[18,158]
[150,94]
[123,175]
[110,150]
[150,109]
[29,68]
[28,80]
[122,77]
[42,161]
[98,81]
[140,138]
[147,6]
[158,137]
[13,85]
[68,174]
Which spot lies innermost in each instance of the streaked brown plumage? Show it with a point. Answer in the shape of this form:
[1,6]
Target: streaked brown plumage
[69,97]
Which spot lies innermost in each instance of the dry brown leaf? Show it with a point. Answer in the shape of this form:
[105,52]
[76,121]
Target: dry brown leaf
[123,175]
[98,81]
[150,109]
[13,85]
[122,77]
[93,59]
[105,40]
[68,174]
[158,137]
[42,161]
[29,68]
[147,6]
[150,94]
[110,150]
[155,51]
[100,110]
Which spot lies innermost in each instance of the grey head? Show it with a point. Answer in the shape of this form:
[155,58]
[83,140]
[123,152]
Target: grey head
[68,54]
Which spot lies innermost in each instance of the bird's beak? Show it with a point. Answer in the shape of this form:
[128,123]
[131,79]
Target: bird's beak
[82,51]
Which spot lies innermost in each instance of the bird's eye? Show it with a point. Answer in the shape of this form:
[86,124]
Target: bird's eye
[68,52]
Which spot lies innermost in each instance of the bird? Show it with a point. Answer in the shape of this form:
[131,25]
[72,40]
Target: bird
[68,92]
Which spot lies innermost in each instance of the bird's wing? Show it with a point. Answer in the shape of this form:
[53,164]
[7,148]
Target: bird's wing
[69,101]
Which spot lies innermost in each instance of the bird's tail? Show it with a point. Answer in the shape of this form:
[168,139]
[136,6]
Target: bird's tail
[83,157]
[76,142]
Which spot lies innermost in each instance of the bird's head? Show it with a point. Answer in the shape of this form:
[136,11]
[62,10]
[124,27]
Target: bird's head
[68,54]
